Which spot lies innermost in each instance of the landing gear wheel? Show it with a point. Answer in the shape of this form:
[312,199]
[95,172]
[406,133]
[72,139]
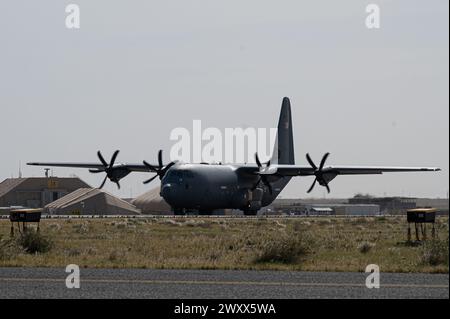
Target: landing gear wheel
[252,212]
[178,211]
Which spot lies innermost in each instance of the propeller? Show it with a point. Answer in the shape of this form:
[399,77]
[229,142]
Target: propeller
[107,168]
[262,178]
[160,170]
[318,172]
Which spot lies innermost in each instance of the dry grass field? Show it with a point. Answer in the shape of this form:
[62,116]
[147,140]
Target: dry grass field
[315,244]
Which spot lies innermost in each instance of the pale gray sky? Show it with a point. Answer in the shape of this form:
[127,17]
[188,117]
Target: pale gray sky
[137,69]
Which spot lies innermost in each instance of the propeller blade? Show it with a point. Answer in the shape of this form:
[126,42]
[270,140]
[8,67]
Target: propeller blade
[310,161]
[103,183]
[258,162]
[312,186]
[113,158]
[268,186]
[161,170]
[166,168]
[150,180]
[322,162]
[266,182]
[107,168]
[257,183]
[150,166]
[100,157]
[95,171]
[160,162]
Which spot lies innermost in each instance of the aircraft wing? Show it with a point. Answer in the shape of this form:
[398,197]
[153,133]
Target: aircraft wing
[296,170]
[127,166]
[305,170]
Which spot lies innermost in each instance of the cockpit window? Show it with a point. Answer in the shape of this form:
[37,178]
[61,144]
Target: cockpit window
[178,176]
[174,176]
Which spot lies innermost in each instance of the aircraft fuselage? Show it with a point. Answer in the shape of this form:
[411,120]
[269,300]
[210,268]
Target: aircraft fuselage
[206,187]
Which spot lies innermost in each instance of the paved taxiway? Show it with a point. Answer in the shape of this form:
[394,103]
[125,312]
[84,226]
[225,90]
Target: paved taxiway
[149,283]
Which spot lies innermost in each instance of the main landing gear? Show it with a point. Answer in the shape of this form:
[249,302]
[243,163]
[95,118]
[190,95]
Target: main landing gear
[250,212]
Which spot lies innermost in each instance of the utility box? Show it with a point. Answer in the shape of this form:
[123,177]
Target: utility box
[421,215]
[24,216]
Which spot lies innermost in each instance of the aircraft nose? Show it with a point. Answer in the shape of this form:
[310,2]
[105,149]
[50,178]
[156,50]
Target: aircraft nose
[166,191]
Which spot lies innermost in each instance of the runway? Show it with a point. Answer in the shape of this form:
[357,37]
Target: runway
[204,284]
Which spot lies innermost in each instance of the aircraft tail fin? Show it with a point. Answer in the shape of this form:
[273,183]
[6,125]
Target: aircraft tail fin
[283,152]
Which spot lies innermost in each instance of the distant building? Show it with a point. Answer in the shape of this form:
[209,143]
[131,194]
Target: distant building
[152,203]
[322,207]
[441,204]
[90,201]
[387,204]
[342,209]
[357,209]
[36,192]
[320,211]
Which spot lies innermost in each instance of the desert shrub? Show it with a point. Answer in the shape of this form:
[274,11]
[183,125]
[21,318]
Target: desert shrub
[8,248]
[283,248]
[33,242]
[281,225]
[121,225]
[170,222]
[81,228]
[324,221]
[91,251]
[117,255]
[193,223]
[135,222]
[365,247]
[200,223]
[55,227]
[297,226]
[72,252]
[435,252]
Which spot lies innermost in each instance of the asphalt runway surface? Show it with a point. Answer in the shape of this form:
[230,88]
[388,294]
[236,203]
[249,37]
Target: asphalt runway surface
[205,284]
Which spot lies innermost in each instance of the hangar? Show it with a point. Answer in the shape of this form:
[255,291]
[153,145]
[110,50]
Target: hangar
[389,205]
[152,203]
[343,209]
[90,201]
[36,192]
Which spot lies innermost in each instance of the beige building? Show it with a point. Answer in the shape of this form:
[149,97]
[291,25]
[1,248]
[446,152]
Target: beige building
[152,203]
[90,201]
[36,192]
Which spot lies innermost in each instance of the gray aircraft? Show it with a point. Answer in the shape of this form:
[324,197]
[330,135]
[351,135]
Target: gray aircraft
[248,187]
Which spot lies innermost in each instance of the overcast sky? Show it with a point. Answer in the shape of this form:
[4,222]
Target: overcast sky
[137,69]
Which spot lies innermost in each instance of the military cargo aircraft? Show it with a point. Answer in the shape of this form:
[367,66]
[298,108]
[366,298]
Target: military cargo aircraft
[248,187]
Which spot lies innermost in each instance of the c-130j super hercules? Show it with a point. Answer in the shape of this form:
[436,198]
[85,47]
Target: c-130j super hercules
[248,187]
